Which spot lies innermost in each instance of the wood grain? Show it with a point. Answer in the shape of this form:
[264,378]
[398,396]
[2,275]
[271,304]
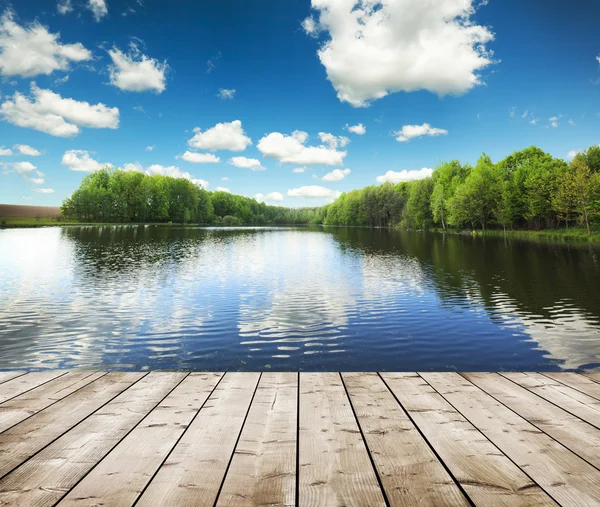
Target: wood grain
[577,381]
[24,383]
[562,474]
[410,472]
[486,474]
[335,468]
[263,468]
[194,471]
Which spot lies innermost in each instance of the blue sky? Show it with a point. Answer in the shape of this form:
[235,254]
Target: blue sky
[137,84]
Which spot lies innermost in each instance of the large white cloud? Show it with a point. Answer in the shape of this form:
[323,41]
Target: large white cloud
[409,132]
[5,152]
[359,129]
[292,149]
[223,136]
[98,8]
[25,149]
[313,191]
[172,171]
[397,177]
[136,72]
[246,163]
[49,112]
[270,197]
[376,47]
[80,160]
[32,50]
[200,158]
[336,175]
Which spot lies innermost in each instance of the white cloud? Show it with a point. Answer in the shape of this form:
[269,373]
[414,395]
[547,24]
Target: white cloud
[291,148]
[311,191]
[80,160]
[359,129]
[5,152]
[150,148]
[225,93]
[397,177]
[380,47]
[598,59]
[332,141]
[222,189]
[136,72]
[224,178]
[27,170]
[32,50]
[172,171]
[247,163]
[27,150]
[554,120]
[49,112]
[336,175]
[43,190]
[409,132]
[512,111]
[223,136]
[98,8]
[200,158]
[299,170]
[534,121]
[270,197]
[572,154]
[524,115]
[572,123]
[64,7]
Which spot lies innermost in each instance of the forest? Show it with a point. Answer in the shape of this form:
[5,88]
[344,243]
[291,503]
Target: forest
[529,189]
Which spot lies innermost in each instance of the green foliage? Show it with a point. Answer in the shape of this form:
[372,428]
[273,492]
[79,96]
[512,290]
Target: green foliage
[128,196]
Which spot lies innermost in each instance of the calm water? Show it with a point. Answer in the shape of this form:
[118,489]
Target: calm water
[287,299]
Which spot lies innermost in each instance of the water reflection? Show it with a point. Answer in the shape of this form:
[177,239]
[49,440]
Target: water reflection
[144,297]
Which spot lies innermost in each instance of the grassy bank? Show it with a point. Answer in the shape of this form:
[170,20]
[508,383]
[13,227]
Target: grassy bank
[574,234]
[15,222]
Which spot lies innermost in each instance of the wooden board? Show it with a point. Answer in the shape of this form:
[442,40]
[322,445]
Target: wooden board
[124,473]
[21,407]
[575,434]
[577,403]
[194,471]
[486,474]
[24,383]
[334,465]
[562,474]
[48,475]
[33,434]
[409,470]
[263,468]
[8,375]
[595,376]
[577,381]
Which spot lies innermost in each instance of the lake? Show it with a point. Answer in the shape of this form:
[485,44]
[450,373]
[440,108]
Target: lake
[151,297]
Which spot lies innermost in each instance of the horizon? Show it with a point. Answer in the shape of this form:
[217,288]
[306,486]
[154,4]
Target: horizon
[273,105]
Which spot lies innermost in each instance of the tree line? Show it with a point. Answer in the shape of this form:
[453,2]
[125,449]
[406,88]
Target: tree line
[113,195]
[529,189]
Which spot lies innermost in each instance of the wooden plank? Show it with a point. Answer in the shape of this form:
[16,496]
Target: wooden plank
[33,434]
[577,381]
[124,473]
[20,408]
[194,471]
[565,476]
[334,464]
[486,475]
[48,475]
[410,472]
[594,375]
[5,376]
[575,434]
[263,468]
[577,403]
[24,383]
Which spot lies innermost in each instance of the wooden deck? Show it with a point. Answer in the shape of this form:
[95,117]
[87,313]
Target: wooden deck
[311,439]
